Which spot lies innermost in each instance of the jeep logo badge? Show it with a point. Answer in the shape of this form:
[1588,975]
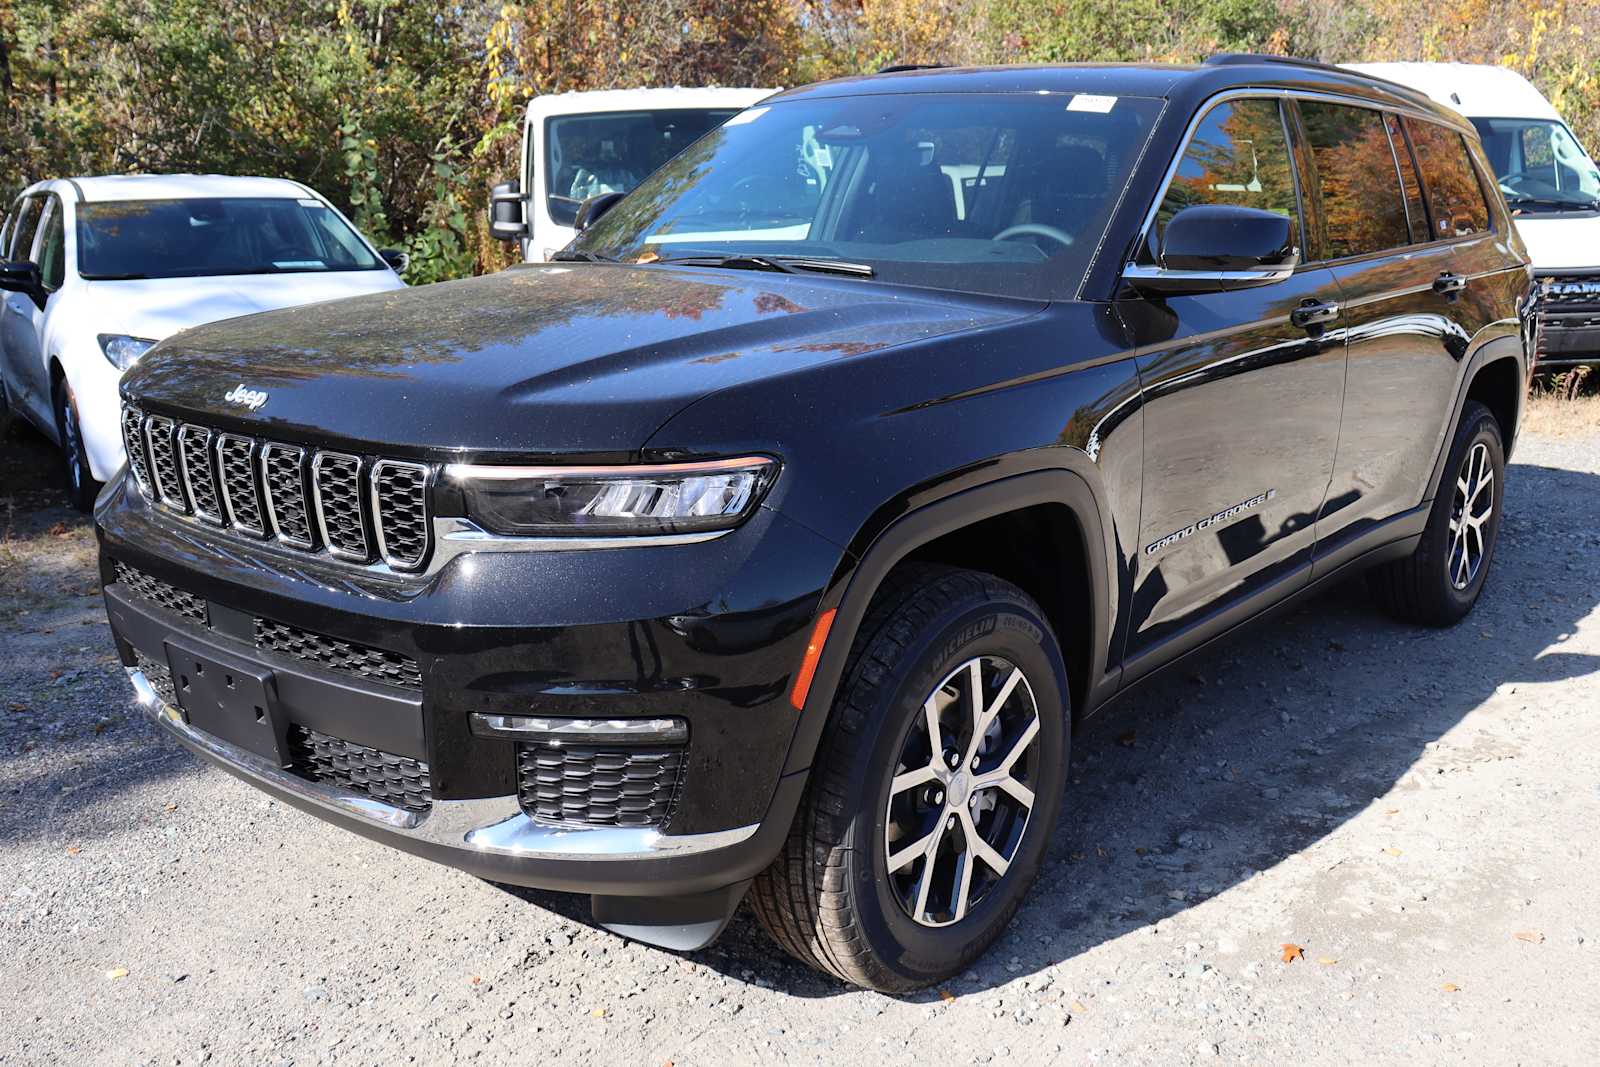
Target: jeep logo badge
[245,397]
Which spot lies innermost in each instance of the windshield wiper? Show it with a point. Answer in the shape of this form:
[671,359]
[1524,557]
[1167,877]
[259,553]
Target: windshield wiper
[780,264]
[578,255]
[1558,205]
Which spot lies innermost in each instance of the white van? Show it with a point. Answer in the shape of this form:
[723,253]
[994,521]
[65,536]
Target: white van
[1550,183]
[579,145]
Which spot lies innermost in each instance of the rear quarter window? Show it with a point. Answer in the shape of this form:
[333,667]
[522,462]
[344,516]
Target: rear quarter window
[1455,196]
[1363,206]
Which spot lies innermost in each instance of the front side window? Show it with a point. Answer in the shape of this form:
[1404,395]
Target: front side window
[1455,198]
[586,155]
[1006,193]
[213,236]
[1363,207]
[1539,165]
[52,253]
[1239,155]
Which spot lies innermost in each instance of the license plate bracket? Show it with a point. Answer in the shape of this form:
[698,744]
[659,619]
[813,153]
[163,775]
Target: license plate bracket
[230,698]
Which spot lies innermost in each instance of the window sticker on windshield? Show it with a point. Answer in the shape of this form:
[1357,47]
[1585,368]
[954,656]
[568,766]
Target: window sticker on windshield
[748,115]
[305,202]
[298,264]
[1089,102]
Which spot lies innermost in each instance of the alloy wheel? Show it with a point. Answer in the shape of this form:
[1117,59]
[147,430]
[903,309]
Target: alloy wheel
[961,796]
[72,442]
[1470,511]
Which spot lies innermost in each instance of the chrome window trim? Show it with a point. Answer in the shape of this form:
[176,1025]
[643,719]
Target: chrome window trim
[426,472]
[1136,272]
[205,457]
[1279,94]
[322,519]
[492,825]
[264,457]
[177,460]
[258,533]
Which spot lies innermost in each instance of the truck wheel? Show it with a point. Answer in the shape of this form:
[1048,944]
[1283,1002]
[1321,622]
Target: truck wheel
[935,789]
[81,488]
[1438,583]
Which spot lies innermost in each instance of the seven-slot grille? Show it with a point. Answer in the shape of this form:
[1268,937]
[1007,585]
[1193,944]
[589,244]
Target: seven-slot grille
[359,511]
[576,784]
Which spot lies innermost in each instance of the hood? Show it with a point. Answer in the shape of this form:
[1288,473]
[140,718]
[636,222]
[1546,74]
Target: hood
[1559,242]
[542,359]
[157,308]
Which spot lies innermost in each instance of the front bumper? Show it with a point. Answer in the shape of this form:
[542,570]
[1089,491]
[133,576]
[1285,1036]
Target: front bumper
[505,633]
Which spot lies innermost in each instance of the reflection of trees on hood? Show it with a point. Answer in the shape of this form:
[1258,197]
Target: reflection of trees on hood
[385,334]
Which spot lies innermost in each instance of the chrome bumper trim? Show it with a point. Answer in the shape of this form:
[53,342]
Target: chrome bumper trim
[492,825]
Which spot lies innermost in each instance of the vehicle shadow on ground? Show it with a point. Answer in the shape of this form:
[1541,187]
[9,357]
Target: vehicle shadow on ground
[1253,750]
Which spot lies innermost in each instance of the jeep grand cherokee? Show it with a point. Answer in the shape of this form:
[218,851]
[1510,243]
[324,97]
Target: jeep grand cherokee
[772,541]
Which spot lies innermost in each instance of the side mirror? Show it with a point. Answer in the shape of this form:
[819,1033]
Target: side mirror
[508,219]
[590,210]
[23,277]
[398,261]
[1210,248]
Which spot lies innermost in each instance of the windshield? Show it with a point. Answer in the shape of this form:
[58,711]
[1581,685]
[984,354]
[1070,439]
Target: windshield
[1004,194]
[1539,164]
[201,237]
[586,155]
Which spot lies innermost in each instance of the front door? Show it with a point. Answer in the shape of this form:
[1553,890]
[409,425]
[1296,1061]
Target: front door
[1242,397]
[19,336]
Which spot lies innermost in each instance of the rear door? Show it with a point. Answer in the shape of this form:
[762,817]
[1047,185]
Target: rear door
[19,339]
[1396,264]
[1241,404]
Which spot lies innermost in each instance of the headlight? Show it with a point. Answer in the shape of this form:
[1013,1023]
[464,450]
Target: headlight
[661,498]
[123,351]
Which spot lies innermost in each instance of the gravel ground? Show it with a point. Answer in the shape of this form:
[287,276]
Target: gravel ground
[1415,811]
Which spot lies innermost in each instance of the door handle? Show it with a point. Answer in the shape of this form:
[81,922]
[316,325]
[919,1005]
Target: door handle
[1314,313]
[1448,284]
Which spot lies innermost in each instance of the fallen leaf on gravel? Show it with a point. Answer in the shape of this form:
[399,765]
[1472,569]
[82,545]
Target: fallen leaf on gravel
[73,850]
[100,728]
[947,996]
[598,1013]
[1450,987]
[1392,811]
[117,972]
[1126,740]
[1326,961]
[58,530]
[170,807]
[18,707]
[1392,851]
[1532,937]
[1292,953]
[476,980]
[1077,1005]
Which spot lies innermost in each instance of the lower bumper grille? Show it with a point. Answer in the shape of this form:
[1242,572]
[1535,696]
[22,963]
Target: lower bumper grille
[161,594]
[398,781]
[599,787]
[159,675]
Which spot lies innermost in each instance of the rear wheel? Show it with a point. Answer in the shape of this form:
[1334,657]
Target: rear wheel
[1440,582]
[935,789]
[81,487]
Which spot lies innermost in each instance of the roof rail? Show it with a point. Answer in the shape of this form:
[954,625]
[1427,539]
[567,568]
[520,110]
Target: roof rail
[896,68]
[1248,59]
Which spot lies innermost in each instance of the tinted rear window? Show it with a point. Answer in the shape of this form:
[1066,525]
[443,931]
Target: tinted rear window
[1455,196]
[1362,205]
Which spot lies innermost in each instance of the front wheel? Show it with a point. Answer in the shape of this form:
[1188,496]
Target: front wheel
[1440,581]
[935,789]
[81,487]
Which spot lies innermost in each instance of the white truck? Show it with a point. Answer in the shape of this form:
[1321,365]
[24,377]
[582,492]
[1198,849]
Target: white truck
[1550,183]
[580,145]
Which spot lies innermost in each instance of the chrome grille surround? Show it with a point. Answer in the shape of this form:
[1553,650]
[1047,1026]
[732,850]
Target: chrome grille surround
[283,484]
[158,434]
[351,507]
[241,499]
[133,444]
[400,510]
[199,479]
[336,493]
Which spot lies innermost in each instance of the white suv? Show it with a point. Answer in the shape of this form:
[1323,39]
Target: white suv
[96,270]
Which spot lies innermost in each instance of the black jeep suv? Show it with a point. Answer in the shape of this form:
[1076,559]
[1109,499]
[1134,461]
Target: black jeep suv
[772,541]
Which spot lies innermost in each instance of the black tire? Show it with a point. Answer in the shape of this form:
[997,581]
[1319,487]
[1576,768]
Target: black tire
[829,899]
[77,479]
[1430,586]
